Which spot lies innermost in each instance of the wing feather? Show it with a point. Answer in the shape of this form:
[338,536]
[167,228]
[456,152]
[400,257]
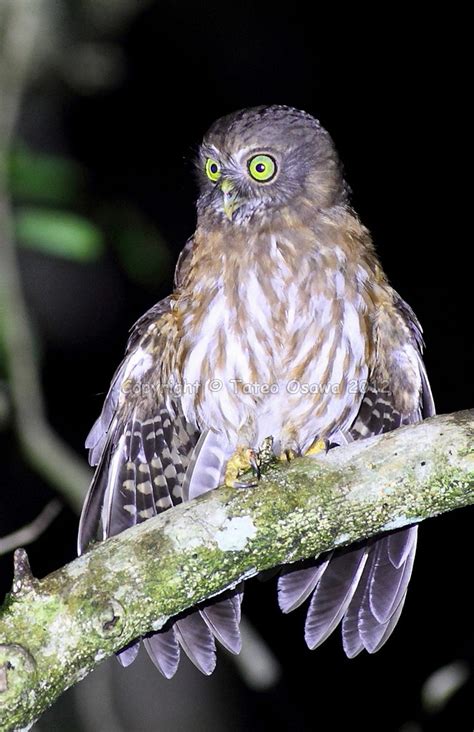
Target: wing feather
[145,451]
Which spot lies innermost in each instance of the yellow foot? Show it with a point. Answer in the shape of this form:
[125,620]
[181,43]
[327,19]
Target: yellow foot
[317,446]
[243,460]
[287,455]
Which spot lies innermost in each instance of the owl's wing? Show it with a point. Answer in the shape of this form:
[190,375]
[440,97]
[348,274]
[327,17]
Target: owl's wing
[143,451]
[183,263]
[365,586]
[128,439]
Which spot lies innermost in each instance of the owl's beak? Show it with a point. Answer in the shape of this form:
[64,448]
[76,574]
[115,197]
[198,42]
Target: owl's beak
[231,202]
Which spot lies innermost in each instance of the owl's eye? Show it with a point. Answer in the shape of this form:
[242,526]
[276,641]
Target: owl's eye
[213,169]
[262,168]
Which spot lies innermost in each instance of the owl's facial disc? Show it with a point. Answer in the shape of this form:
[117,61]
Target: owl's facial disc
[254,163]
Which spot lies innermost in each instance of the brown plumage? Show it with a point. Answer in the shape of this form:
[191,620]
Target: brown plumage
[283,324]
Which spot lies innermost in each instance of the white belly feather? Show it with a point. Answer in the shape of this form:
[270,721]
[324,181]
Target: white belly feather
[246,408]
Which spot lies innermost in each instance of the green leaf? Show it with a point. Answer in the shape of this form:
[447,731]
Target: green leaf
[58,233]
[42,178]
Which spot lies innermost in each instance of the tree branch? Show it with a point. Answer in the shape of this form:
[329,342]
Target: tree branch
[29,533]
[54,631]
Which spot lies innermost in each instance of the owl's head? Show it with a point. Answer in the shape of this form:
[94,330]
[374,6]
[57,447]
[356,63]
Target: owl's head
[259,160]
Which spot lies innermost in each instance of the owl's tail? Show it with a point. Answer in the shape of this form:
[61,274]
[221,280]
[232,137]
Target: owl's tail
[364,587]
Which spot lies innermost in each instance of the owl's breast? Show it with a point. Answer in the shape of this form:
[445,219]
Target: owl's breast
[273,349]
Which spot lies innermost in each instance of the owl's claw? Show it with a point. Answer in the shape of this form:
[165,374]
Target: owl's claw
[244,484]
[245,459]
[289,451]
[255,464]
[255,467]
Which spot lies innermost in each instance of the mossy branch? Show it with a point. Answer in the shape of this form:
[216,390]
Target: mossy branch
[56,630]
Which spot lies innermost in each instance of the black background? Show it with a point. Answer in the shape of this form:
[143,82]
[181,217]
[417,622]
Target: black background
[389,90]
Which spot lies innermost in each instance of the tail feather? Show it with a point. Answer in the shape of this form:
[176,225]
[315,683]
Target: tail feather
[197,641]
[295,586]
[163,649]
[388,627]
[400,545]
[223,618]
[333,594]
[388,583]
[127,656]
[351,640]
[364,587]
[378,601]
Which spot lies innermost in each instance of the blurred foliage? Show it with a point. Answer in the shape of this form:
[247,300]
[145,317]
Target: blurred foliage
[56,182]
[51,180]
[58,233]
[39,177]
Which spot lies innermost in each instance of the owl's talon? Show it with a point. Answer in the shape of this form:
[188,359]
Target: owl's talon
[288,455]
[255,464]
[245,483]
[245,459]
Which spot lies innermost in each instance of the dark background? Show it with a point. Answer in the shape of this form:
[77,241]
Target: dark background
[389,91]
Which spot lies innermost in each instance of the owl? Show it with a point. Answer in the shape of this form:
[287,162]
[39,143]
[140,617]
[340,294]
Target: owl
[282,325]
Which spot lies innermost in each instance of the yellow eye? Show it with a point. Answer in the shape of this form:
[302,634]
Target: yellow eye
[262,167]
[213,170]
